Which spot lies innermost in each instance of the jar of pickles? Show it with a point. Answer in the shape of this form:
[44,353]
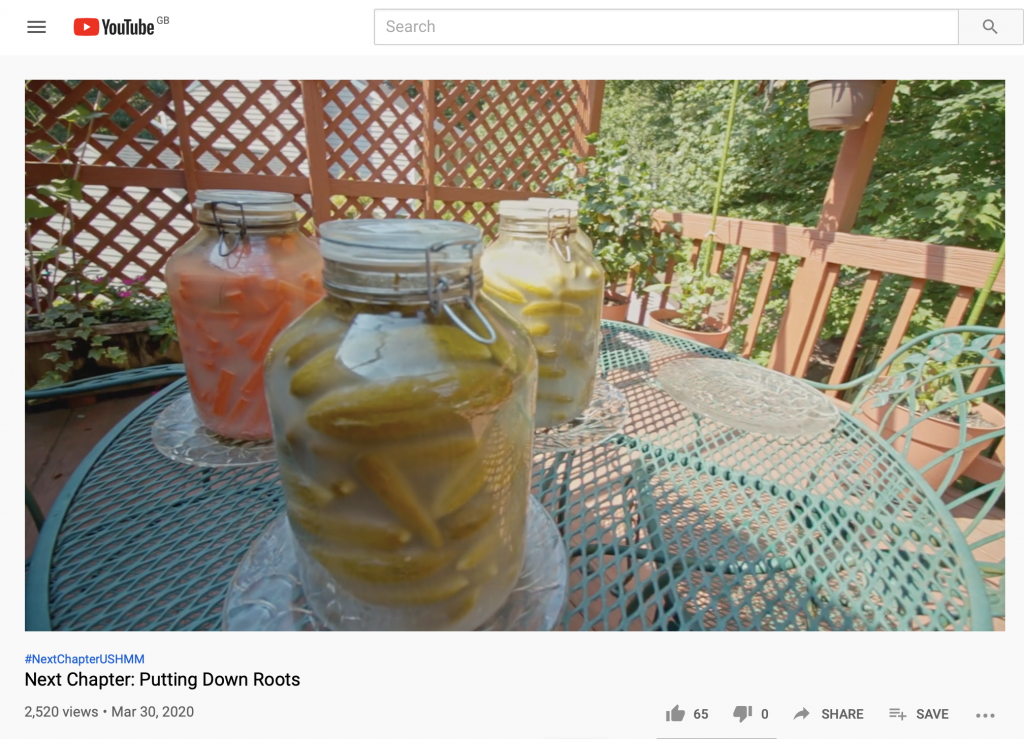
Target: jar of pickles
[542,271]
[247,274]
[402,406]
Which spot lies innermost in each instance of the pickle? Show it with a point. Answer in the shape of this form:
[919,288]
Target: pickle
[461,486]
[478,552]
[370,398]
[555,398]
[436,449]
[547,352]
[413,595]
[537,288]
[382,428]
[310,344]
[345,488]
[538,329]
[463,606]
[458,344]
[467,520]
[506,293]
[386,537]
[305,490]
[385,569]
[591,274]
[549,372]
[321,373]
[391,487]
[552,308]
[580,293]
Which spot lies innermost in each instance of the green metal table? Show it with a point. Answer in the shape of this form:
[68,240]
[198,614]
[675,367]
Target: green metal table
[677,523]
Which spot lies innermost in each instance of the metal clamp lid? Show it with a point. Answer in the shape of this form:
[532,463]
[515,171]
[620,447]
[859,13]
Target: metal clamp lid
[221,225]
[435,288]
[560,232]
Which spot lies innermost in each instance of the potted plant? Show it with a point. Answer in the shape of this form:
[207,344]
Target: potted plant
[694,295]
[94,326]
[923,388]
[616,207]
[840,105]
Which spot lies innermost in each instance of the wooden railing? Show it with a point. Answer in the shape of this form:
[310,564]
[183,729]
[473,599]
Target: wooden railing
[964,267]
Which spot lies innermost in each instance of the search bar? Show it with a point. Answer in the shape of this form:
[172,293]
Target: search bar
[679,27]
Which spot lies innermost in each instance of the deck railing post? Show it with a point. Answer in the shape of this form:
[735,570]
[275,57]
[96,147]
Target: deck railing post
[812,287]
[316,150]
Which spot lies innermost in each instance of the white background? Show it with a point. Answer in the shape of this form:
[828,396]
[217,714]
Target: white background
[557,686]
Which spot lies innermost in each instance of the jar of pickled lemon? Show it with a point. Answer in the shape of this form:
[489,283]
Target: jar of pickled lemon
[403,410]
[541,269]
[243,277]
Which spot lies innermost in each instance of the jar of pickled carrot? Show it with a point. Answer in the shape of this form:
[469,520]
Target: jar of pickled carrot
[541,269]
[403,410]
[247,274]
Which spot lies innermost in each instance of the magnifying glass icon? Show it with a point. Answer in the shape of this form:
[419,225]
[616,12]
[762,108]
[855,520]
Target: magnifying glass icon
[990,26]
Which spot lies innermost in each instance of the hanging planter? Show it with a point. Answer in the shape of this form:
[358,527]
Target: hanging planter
[840,105]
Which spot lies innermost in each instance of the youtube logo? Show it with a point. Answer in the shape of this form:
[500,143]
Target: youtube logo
[87,26]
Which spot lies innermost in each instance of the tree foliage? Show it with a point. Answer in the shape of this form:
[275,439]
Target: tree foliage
[939,176]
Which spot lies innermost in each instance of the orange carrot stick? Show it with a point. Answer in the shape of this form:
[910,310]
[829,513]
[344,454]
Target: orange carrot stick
[224,383]
[278,322]
[254,385]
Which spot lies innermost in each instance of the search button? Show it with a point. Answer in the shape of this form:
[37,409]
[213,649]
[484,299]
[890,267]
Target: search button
[991,27]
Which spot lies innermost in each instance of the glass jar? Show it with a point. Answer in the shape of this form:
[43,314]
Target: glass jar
[247,274]
[542,271]
[403,409]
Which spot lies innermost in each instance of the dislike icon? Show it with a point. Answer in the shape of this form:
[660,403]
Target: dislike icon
[742,712]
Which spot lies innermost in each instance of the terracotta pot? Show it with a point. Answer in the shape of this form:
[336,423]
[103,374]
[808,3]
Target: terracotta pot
[615,308]
[933,437]
[659,321]
[839,105]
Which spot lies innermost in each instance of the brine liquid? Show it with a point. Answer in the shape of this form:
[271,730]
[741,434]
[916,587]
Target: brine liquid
[228,311]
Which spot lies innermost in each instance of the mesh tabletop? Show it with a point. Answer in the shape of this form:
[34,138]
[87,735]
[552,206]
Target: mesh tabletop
[677,523]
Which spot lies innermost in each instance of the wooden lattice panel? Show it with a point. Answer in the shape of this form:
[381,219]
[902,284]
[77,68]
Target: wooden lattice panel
[484,215]
[247,127]
[137,129]
[374,130]
[343,207]
[346,149]
[504,135]
[117,233]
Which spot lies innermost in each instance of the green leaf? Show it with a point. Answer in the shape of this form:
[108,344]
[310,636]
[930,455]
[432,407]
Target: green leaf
[97,353]
[65,344]
[81,114]
[66,189]
[42,149]
[34,209]
[53,356]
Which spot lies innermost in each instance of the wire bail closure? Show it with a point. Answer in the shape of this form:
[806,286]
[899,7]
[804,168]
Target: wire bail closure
[221,226]
[560,233]
[435,288]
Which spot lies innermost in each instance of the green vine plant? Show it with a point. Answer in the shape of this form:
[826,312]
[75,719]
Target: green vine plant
[694,294]
[75,317]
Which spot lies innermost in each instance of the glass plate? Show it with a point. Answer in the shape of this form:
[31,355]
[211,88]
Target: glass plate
[266,595]
[180,435]
[605,417]
[748,397]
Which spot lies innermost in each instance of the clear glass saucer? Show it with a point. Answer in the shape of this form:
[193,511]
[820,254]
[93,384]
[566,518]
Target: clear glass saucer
[179,435]
[748,397]
[266,595]
[605,417]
